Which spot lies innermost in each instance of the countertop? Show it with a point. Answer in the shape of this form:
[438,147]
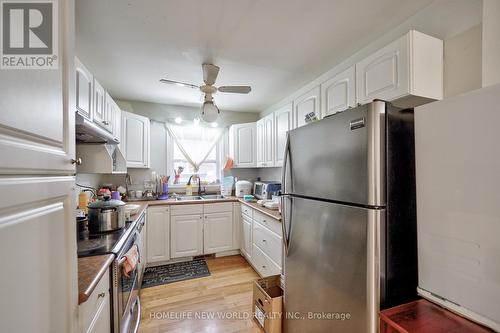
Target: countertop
[91,269]
[269,212]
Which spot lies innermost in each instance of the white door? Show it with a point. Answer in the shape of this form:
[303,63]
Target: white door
[99,111]
[306,106]
[37,111]
[244,145]
[384,74]
[135,140]
[282,124]
[246,236]
[260,144]
[158,234]
[218,232]
[84,92]
[339,92]
[186,235]
[38,254]
[268,141]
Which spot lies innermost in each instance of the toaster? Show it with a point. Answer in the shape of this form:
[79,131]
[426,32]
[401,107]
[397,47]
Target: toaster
[265,189]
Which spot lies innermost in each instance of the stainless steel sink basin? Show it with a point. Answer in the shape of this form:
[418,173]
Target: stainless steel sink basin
[188,198]
[213,197]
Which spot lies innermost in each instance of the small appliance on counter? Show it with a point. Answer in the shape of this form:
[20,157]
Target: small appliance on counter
[243,187]
[266,189]
[106,215]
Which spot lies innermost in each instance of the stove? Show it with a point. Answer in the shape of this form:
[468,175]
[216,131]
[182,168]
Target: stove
[103,243]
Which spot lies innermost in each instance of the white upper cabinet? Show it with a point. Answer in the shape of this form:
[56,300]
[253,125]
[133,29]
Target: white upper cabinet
[339,92]
[265,141]
[408,71]
[218,232]
[113,113]
[242,145]
[37,112]
[100,116]
[135,140]
[306,105]
[84,89]
[282,124]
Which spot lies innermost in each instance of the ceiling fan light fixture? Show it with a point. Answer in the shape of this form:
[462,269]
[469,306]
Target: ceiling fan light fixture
[209,112]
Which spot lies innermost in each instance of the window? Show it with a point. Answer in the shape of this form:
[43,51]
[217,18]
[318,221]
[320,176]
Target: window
[194,147]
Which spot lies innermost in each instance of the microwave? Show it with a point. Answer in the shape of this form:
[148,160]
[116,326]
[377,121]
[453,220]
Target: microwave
[266,189]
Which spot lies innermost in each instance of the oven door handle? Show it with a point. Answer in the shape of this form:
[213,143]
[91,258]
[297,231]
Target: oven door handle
[136,328]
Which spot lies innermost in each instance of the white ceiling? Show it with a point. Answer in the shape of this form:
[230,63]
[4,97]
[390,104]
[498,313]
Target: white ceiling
[276,46]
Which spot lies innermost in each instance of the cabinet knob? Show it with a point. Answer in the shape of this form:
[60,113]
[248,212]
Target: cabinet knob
[101,295]
[77,161]
[264,266]
[105,122]
[264,241]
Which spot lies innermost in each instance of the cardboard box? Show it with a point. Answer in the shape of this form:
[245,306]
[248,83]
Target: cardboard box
[268,304]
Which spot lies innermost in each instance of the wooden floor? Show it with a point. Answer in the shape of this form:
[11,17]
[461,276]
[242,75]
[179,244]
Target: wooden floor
[222,301]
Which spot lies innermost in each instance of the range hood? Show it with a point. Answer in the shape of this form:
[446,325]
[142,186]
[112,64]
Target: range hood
[100,158]
[89,132]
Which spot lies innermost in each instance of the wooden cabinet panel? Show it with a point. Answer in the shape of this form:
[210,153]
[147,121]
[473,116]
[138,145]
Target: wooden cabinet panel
[282,124]
[339,92]
[186,235]
[99,111]
[306,105]
[135,140]
[158,234]
[218,232]
[84,90]
[243,145]
[246,236]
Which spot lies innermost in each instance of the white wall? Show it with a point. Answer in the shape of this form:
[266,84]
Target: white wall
[462,62]
[491,42]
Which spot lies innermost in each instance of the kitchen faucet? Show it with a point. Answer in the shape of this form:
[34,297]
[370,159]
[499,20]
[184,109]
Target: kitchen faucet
[200,191]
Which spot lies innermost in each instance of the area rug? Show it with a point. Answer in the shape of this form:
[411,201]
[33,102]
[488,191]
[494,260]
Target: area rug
[180,271]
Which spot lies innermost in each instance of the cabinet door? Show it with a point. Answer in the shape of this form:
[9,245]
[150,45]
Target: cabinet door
[246,236]
[244,145]
[109,109]
[135,140]
[260,142]
[384,74]
[218,232]
[38,250]
[268,140]
[102,321]
[187,236]
[282,124]
[84,92]
[37,111]
[339,92]
[116,119]
[306,105]
[99,111]
[158,234]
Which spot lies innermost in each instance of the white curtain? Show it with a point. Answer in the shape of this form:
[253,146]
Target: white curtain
[195,142]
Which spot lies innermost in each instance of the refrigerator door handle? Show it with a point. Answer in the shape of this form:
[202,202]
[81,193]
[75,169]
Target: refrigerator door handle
[285,165]
[286,237]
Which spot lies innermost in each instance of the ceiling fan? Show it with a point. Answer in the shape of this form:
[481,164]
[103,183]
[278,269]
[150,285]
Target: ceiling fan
[209,111]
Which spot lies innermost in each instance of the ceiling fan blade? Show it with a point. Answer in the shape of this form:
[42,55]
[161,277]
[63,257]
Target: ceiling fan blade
[180,84]
[210,73]
[235,89]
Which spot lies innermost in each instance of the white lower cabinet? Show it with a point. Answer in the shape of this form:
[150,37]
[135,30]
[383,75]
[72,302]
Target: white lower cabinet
[186,235]
[263,263]
[158,234]
[217,232]
[246,236]
[94,315]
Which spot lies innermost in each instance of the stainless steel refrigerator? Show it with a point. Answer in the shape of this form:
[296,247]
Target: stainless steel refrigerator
[349,219]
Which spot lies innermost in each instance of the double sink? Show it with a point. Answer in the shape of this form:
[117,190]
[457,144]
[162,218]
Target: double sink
[203,197]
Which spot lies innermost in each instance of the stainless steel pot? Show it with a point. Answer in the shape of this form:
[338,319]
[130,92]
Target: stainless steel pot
[106,215]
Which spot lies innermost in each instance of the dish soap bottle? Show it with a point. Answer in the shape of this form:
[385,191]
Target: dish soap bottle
[189,187]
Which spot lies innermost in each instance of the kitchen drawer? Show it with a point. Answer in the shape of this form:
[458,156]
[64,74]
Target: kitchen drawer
[273,224]
[186,210]
[263,264]
[246,210]
[90,308]
[268,242]
[218,207]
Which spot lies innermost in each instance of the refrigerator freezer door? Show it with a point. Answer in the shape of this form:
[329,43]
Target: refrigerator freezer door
[341,157]
[331,268]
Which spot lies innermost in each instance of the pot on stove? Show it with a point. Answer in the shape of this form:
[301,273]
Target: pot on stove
[106,215]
